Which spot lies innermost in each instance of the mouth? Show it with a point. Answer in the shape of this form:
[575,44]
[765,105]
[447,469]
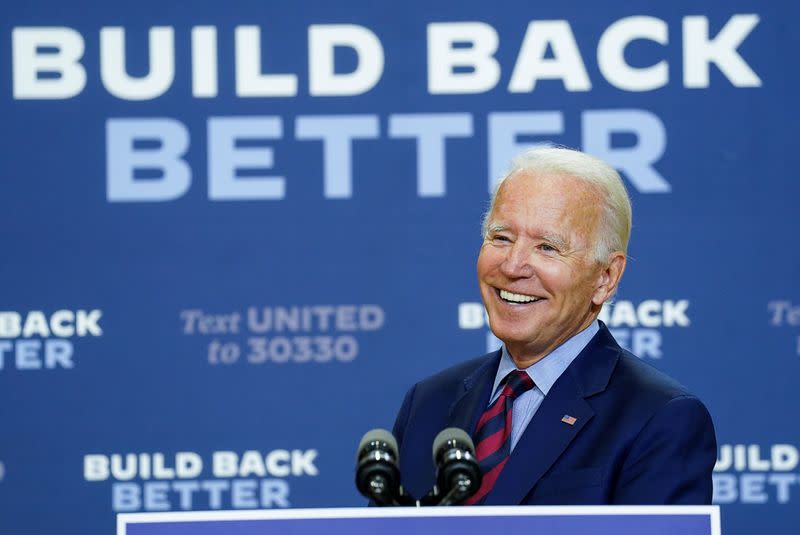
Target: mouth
[516,299]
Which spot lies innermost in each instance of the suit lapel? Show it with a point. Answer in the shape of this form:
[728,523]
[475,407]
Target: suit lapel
[546,436]
[543,441]
[471,402]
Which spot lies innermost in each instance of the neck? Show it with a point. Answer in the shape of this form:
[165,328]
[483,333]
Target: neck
[525,356]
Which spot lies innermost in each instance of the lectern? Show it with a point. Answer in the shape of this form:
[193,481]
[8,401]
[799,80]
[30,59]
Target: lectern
[563,520]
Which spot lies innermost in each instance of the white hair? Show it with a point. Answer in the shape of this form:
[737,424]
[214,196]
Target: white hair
[615,226]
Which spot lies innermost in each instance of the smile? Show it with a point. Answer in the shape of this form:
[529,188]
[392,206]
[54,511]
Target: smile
[505,295]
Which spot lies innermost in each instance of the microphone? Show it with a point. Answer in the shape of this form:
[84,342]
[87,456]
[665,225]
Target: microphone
[377,473]
[458,475]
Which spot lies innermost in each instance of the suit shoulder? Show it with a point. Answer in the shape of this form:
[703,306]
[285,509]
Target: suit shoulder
[644,382]
[456,374]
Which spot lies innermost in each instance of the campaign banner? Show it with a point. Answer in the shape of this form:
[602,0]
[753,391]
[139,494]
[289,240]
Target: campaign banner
[235,234]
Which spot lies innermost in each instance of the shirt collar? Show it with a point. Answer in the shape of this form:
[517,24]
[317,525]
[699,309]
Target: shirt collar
[547,370]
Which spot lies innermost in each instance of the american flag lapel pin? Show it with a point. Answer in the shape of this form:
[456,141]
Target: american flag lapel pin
[570,420]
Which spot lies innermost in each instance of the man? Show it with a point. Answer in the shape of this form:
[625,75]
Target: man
[561,414]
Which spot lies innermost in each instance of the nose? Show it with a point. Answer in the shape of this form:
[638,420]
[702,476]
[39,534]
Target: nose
[517,263]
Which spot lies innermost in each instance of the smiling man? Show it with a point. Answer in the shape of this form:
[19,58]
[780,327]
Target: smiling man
[561,414]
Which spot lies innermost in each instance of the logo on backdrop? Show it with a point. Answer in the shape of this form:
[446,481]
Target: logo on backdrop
[35,340]
[751,473]
[283,334]
[187,481]
[637,326]
[784,313]
[50,63]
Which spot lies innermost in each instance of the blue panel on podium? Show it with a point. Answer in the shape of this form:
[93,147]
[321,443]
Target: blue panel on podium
[653,520]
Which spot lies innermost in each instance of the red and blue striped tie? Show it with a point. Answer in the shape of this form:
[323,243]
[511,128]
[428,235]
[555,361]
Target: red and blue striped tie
[493,433]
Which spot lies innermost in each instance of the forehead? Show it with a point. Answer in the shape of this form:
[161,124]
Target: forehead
[547,202]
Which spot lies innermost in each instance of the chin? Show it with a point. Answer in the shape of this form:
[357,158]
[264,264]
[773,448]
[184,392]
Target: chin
[511,336]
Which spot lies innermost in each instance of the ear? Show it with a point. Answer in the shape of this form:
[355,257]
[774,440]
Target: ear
[609,277]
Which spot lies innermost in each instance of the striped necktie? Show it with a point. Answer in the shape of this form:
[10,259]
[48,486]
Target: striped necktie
[493,433]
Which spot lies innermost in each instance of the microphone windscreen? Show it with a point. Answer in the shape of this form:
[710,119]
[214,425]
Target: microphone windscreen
[378,435]
[452,434]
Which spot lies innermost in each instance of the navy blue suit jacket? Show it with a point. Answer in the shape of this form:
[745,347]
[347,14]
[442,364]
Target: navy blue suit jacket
[639,436]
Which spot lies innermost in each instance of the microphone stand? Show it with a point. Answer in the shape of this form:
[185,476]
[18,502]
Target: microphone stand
[458,493]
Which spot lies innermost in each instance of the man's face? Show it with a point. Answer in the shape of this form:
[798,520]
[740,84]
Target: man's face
[537,273]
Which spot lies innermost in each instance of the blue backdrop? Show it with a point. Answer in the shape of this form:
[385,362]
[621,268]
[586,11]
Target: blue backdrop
[233,234]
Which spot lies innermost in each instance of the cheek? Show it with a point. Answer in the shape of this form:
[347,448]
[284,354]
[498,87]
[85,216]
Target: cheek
[487,261]
[554,276]
[584,288]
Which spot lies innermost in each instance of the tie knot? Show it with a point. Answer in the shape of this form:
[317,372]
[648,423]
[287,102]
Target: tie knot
[517,383]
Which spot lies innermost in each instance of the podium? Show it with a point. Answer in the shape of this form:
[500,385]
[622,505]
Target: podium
[561,520]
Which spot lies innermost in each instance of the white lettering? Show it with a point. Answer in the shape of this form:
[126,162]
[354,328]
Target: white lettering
[250,81]
[162,64]
[478,71]
[611,54]
[430,131]
[566,63]
[699,52]
[224,464]
[30,61]
[225,159]
[204,61]
[322,77]
[337,134]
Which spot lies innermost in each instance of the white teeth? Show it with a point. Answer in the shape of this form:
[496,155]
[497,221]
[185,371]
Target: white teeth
[517,298]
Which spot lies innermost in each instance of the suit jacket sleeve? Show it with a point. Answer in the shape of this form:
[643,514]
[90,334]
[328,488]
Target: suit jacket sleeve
[402,417]
[672,458]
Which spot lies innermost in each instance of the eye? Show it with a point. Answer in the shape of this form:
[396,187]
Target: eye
[500,238]
[546,247]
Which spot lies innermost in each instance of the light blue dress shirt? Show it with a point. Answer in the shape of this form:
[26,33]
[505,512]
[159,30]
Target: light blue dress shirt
[544,374]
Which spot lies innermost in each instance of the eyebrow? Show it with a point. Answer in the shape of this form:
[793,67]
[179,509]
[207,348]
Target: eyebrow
[556,240]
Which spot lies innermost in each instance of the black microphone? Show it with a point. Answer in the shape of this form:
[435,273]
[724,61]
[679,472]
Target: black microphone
[458,475]
[377,473]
